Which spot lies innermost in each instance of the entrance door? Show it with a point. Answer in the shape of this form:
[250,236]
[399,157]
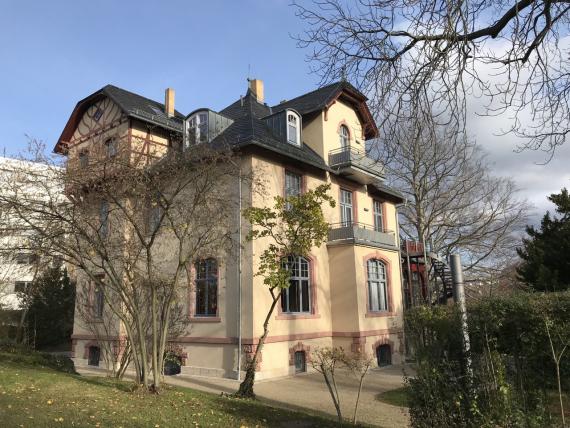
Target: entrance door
[384,355]
[300,363]
[94,355]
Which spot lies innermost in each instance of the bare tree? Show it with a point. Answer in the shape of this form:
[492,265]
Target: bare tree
[453,202]
[133,231]
[514,53]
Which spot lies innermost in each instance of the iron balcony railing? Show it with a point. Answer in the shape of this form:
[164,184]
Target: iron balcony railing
[346,157]
[360,233]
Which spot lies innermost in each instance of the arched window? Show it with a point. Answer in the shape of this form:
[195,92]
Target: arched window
[344,136]
[293,128]
[296,298]
[207,287]
[377,286]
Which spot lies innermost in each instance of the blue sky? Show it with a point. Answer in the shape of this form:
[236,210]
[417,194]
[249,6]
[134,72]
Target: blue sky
[54,53]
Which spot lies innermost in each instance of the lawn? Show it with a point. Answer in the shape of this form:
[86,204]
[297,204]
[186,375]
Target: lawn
[34,396]
[395,397]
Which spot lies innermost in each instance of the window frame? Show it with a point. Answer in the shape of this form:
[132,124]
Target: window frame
[296,127]
[104,218]
[199,127]
[379,217]
[98,301]
[111,148]
[207,281]
[285,303]
[286,188]
[83,158]
[378,281]
[344,139]
[343,206]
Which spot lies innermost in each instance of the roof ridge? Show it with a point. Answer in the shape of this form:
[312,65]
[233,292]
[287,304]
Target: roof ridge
[340,82]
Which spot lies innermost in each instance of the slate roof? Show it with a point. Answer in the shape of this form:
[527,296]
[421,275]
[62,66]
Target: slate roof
[249,129]
[317,99]
[143,108]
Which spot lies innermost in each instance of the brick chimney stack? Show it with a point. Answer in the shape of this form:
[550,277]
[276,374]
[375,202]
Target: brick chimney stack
[169,102]
[256,87]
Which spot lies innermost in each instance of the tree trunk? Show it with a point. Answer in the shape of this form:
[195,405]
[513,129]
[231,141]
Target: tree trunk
[155,356]
[246,387]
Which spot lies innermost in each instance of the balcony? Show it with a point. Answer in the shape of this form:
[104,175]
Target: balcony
[361,234]
[356,165]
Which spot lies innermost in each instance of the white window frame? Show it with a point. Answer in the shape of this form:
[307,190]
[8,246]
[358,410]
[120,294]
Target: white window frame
[104,218]
[293,128]
[198,125]
[292,178]
[377,276]
[300,273]
[378,212]
[346,207]
[111,146]
[208,281]
[344,134]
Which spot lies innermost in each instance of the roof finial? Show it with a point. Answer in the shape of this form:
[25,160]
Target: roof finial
[343,73]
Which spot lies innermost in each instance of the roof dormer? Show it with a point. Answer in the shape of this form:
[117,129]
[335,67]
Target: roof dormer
[287,125]
[203,125]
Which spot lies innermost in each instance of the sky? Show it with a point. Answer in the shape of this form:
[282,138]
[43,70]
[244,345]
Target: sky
[54,53]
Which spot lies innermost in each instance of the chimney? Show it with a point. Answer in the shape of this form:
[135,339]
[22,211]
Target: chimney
[169,102]
[256,87]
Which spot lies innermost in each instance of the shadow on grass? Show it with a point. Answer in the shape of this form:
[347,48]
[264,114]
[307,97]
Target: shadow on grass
[124,386]
[395,397]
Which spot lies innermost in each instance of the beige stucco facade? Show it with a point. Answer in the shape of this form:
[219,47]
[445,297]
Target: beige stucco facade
[339,312]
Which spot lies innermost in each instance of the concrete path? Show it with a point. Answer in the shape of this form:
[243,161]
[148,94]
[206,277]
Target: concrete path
[309,391]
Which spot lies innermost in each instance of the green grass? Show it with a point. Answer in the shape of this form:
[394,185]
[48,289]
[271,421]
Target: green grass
[395,397]
[34,396]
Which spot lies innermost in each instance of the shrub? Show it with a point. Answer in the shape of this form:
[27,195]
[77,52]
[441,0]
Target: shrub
[16,353]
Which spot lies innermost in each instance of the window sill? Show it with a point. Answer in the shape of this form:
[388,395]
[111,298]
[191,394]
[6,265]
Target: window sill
[379,314]
[299,316]
[199,319]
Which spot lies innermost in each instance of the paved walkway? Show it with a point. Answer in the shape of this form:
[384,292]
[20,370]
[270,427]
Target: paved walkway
[309,391]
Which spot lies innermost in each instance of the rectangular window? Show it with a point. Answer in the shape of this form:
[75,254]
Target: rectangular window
[154,214]
[104,219]
[111,146]
[378,216]
[207,288]
[98,302]
[21,286]
[346,207]
[83,159]
[377,286]
[296,298]
[292,185]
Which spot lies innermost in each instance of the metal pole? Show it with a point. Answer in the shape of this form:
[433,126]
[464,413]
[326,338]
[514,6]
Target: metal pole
[239,278]
[459,299]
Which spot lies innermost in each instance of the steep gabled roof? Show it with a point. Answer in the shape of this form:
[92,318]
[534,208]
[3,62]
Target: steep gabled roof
[133,105]
[248,129]
[322,98]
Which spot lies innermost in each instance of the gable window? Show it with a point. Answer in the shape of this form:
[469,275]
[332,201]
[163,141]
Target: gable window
[207,288]
[378,216]
[111,146]
[296,298]
[26,259]
[377,286]
[293,128]
[292,186]
[98,301]
[104,218]
[344,136]
[83,159]
[346,207]
[97,115]
[198,128]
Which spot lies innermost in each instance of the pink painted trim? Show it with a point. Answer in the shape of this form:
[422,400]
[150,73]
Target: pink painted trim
[354,201]
[270,339]
[344,123]
[376,255]
[199,319]
[383,208]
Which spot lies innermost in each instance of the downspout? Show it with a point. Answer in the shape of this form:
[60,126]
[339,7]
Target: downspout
[239,279]
[401,277]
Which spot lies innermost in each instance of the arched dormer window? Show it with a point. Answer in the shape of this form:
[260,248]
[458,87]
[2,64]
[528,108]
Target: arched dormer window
[344,135]
[198,128]
[293,128]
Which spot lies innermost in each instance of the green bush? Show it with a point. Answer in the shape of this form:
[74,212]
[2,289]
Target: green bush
[511,372]
[17,353]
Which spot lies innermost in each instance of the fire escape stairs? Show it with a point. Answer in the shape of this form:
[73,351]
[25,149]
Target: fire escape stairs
[441,270]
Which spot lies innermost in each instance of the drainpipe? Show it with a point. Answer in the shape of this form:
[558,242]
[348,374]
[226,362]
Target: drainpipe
[401,276]
[239,279]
